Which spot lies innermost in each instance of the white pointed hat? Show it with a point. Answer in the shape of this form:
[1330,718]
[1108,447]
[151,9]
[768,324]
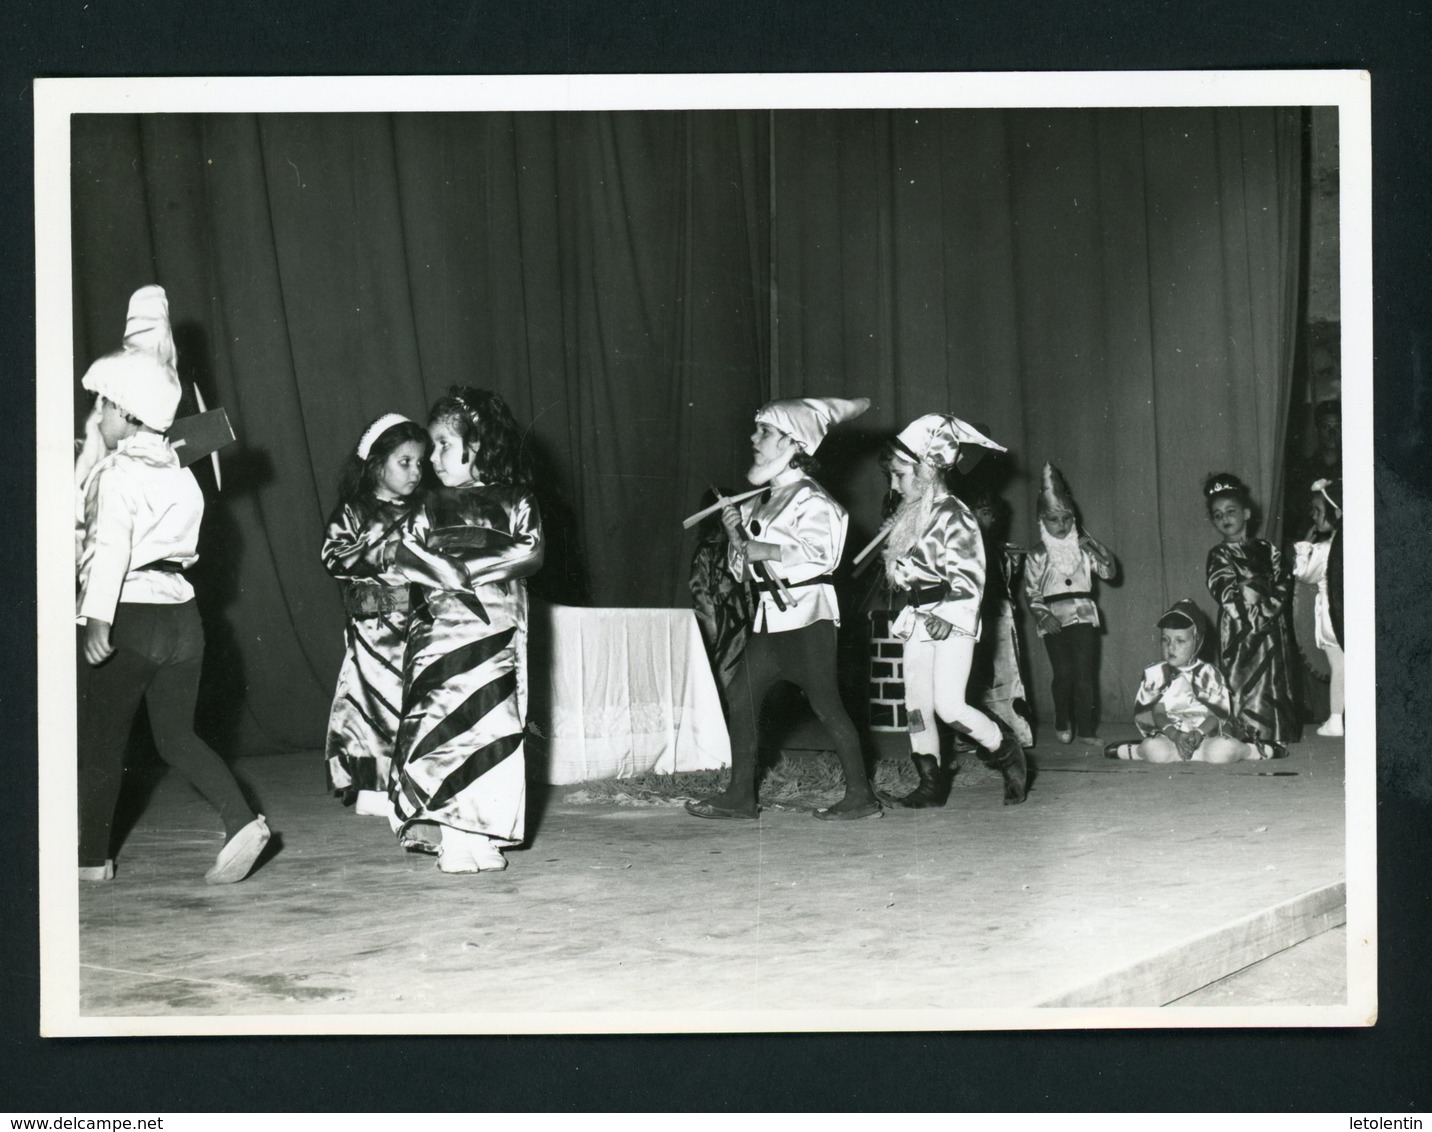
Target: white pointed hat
[808,419]
[936,438]
[147,325]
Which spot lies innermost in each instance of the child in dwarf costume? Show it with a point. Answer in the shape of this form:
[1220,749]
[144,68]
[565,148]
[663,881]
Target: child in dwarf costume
[1182,706]
[142,638]
[785,543]
[935,563]
[1059,583]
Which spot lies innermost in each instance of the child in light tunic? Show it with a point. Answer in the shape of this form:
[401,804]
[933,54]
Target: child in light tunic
[1182,705]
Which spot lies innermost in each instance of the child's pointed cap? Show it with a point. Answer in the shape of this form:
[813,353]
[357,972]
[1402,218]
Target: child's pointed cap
[1184,614]
[808,419]
[143,377]
[1054,494]
[936,438]
[147,325]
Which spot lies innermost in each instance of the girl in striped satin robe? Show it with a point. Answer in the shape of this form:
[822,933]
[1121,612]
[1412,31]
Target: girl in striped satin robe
[379,481]
[459,783]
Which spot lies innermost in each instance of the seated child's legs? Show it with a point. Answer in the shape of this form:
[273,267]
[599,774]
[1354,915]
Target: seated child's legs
[1159,749]
[1220,749]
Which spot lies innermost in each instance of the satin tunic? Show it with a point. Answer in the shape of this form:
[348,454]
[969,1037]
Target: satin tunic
[1254,653]
[367,703]
[809,528]
[951,554]
[1194,698]
[1043,584]
[1310,566]
[459,758]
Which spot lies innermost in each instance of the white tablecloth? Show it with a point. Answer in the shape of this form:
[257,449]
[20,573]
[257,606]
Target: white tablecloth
[617,692]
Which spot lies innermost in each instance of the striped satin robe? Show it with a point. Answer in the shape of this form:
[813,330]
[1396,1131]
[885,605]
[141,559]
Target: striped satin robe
[1254,654]
[459,758]
[363,723]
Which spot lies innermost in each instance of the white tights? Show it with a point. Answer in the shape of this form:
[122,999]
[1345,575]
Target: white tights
[936,673]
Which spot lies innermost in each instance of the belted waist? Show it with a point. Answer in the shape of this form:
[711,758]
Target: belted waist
[770,587]
[363,601]
[921,595]
[1068,595]
[164,566]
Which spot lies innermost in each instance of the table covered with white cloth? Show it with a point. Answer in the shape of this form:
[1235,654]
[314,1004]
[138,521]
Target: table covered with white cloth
[618,692]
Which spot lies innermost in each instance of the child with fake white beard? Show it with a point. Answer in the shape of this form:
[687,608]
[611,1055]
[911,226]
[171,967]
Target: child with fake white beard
[784,544]
[935,563]
[1059,583]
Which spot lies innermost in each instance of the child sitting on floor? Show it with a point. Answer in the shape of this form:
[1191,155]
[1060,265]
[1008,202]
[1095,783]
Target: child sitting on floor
[1182,706]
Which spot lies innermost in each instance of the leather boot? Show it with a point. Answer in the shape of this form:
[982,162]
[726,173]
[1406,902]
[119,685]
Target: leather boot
[1009,761]
[934,786]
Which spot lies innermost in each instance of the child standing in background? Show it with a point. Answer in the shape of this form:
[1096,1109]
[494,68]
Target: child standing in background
[380,478]
[1059,583]
[1318,557]
[1253,588]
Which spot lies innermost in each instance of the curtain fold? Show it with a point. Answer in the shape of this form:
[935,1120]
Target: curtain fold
[1112,290]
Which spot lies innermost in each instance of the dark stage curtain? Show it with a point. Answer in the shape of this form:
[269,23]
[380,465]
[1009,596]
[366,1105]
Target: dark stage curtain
[1114,291]
[1111,290]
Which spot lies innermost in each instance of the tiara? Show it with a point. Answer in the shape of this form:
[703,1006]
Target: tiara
[377,429]
[1222,484]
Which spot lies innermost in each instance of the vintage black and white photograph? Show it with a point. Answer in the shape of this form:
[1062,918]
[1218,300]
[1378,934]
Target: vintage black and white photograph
[721,553]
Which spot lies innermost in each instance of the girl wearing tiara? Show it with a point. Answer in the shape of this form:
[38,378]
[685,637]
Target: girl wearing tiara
[459,779]
[380,478]
[1318,562]
[1251,584]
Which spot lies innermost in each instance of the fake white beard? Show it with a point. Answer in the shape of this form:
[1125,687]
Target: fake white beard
[761,474]
[1064,553]
[911,520]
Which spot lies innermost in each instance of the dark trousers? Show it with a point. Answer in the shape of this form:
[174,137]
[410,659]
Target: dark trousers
[1074,657]
[158,651]
[805,657]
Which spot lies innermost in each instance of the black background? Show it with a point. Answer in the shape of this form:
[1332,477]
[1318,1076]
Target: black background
[1380,1070]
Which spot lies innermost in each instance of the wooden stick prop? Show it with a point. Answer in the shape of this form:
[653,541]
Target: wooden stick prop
[880,536]
[721,501]
[779,594]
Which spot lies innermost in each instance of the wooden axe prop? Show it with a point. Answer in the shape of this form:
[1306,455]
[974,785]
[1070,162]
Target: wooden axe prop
[203,434]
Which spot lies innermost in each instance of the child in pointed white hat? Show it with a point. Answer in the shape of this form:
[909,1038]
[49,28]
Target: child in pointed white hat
[785,544]
[141,636]
[1059,584]
[935,564]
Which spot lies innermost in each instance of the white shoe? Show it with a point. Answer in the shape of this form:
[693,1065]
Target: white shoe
[1333,727]
[239,853]
[97,872]
[464,852]
[373,804]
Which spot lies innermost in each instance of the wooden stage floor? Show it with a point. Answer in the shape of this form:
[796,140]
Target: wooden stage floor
[1114,884]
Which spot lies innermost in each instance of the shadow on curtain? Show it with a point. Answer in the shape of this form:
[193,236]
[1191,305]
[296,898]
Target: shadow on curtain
[1114,290]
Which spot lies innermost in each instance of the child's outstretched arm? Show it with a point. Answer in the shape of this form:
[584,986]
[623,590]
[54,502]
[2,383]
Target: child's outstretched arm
[351,549]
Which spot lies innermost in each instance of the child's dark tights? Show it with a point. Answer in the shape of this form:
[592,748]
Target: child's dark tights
[1074,657]
[159,650]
